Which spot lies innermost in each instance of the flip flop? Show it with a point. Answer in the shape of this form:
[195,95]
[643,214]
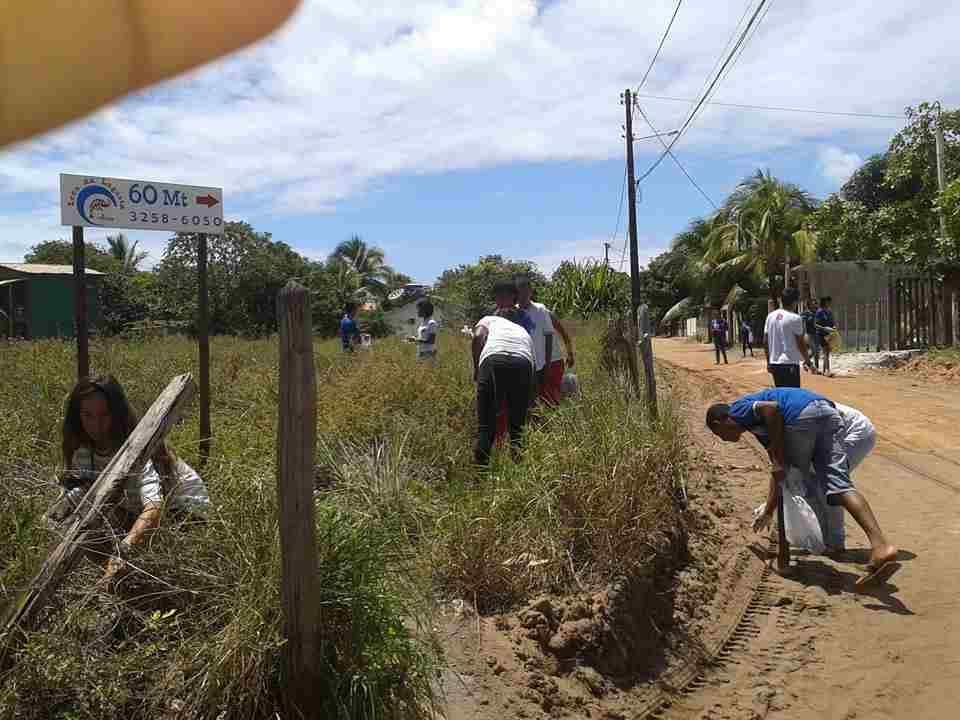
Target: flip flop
[879,574]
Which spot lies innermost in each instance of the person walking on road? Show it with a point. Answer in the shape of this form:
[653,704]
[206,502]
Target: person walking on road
[503,368]
[810,330]
[800,428]
[718,330]
[824,326]
[784,343]
[746,338]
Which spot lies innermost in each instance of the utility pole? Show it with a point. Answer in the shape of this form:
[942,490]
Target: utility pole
[632,215]
[606,254]
[941,179]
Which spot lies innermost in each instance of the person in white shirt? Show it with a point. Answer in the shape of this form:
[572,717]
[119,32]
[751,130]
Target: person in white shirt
[426,337]
[785,343]
[97,421]
[858,437]
[503,368]
[549,357]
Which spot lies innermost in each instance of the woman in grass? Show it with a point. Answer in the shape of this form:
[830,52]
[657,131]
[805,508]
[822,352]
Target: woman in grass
[97,421]
[426,337]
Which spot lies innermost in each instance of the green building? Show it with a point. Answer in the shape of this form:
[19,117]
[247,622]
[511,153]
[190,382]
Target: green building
[36,301]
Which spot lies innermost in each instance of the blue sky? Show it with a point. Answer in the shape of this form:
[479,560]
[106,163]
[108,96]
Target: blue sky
[442,130]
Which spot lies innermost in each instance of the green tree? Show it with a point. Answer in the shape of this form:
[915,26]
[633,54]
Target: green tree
[124,253]
[246,269]
[586,289]
[467,291]
[367,261]
[60,252]
[760,228]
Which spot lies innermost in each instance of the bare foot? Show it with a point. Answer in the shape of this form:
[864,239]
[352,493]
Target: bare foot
[882,554]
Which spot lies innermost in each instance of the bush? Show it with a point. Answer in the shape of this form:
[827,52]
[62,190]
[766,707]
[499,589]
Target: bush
[402,513]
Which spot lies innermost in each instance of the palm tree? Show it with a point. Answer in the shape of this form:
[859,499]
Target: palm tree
[366,261]
[759,231]
[125,253]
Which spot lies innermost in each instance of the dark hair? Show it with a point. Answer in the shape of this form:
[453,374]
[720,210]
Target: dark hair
[504,287]
[511,314]
[349,308]
[521,281]
[717,413]
[826,299]
[791,296]
[425,308]
[123,419]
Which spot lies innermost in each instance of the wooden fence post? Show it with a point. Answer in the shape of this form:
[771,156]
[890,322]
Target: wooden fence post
[296,444]
[646,353]
[203,342]
[88,520]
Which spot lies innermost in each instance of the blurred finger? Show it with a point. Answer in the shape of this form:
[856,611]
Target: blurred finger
[62,59]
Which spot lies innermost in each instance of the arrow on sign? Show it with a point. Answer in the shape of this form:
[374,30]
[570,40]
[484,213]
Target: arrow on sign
[208,200]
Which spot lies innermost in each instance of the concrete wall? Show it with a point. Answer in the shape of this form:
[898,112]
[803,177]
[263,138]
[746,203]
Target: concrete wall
[404,320]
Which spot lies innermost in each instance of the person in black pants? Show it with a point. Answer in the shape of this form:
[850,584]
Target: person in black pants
[503,362]
[745,342]
[718,329]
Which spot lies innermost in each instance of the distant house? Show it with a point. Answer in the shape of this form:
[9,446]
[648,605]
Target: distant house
[400,309]
[37,301]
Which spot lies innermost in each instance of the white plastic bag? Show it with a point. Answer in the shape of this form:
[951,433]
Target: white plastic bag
[801,524]
[800,521]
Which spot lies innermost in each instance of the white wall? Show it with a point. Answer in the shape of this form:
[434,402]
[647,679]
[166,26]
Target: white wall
[404,320]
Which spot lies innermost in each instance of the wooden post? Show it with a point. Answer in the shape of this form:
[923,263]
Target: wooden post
[80,303]
[856,324]
[891,293]
[935,291]
[88,520]
[897,312]
[646,353]
[10,318]
[203,333]
[296,443]
[879,323]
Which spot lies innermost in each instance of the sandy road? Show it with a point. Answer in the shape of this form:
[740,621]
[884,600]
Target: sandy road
[896,652]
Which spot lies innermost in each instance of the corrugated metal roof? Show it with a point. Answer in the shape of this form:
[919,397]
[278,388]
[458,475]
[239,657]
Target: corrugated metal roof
[40,269]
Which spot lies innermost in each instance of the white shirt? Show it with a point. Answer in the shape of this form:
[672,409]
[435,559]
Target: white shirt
[426,329]
[188,491]
[505,337]
[782,329]
[542,326]
[859,434]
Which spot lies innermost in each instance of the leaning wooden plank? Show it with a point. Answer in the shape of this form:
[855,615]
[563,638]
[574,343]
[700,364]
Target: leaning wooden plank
[87,521]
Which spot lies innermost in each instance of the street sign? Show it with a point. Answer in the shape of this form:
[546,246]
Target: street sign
[139,205]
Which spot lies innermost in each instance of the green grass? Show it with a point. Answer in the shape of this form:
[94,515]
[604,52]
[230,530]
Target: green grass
[405,520]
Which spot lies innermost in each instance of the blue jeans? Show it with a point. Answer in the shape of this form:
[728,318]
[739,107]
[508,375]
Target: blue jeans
[815,438]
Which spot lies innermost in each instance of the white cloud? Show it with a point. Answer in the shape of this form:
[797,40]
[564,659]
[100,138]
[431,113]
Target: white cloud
[837,166]
[354,91]
[592,249]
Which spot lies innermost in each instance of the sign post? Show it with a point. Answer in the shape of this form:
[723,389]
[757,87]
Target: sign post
[102,202]
[80,303]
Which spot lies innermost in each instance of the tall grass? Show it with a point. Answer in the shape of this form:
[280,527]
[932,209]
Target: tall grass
[402,517]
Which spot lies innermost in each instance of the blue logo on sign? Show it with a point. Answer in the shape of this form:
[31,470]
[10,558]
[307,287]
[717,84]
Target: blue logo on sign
[93,200]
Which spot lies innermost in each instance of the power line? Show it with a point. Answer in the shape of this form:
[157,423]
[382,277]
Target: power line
[744,106]
[616,231]
[696,109]
[660,47]
[677,160]
[653,61]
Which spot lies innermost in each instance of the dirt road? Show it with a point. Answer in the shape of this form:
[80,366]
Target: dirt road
[817,650]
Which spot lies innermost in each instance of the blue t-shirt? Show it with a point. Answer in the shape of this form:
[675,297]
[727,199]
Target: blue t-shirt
[792,402]
[824,317]
[348,330]
[526,322]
